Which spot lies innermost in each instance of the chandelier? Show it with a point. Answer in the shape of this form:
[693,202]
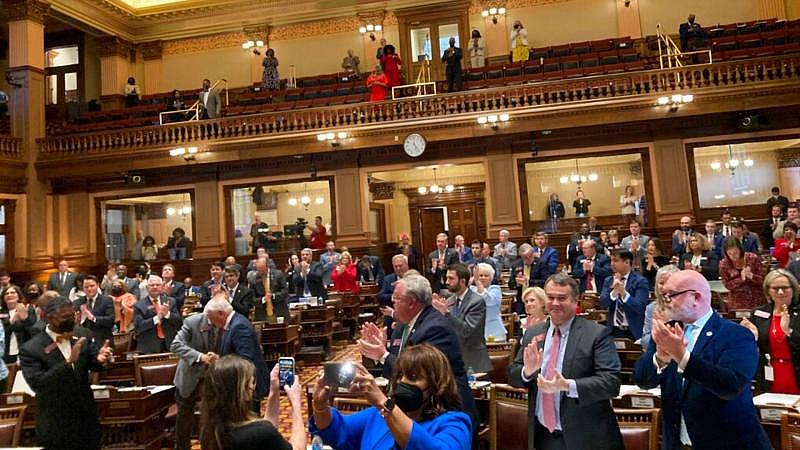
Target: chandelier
[495,12]
[732,163]
[576,177]
[435,188]
[183,211]
[305,199]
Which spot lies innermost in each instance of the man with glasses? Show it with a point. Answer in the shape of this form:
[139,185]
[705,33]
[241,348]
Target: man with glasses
[704,365]
[571,370]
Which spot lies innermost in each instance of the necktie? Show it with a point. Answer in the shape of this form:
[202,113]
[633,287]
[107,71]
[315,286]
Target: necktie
[619,312]
[526,271]
[589,284]
[457,307]
[63,278]
[404,338]
[688,332]
[159,328]
[549,400]
[90,304]
[267,295]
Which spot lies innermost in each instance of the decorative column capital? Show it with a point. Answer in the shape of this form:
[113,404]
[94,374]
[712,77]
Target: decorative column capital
[382,190]
[151,50]
[34,10]
[788,157]
[113,46]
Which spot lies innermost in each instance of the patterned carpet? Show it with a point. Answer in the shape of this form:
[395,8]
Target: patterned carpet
[308,375]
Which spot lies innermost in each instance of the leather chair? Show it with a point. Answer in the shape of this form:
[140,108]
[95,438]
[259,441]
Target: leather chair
[11,426]
[123,343]
[508,418]
[157,369]
[790,431]
[501,354]
[12,375]
[639,427]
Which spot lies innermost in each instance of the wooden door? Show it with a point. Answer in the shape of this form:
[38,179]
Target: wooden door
[461,219]
[431,224]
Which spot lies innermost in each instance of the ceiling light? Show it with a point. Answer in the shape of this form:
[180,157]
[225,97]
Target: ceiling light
[422,190]
[378,27]
[492,11]
[330,136]
[186,210]
[688,98]
[574,178]
[734,163]
[292,201]
[716,165]
[485,13]
[501,10]
[177,151]
[748,163]
[593,177]
[319,200]
[482,120]
[341,135]
[449,188]
[321,137]
[663,100]
[192,150]
[362,29]
[564,180]
[305,200]
[491,118]
[503,117]
[171,211]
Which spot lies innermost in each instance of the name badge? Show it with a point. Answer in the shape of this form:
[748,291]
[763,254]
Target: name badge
[642,402]
[760,313]
[769,373]
[14,400]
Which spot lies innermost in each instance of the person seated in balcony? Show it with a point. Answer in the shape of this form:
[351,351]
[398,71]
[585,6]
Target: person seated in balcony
[378,84]
[392,65]
[210,103]
[178,244]
[519,43]
[477,50]
[350,65]
[132,92]
[149,249]
[692,35]
[270,79]
[452,57]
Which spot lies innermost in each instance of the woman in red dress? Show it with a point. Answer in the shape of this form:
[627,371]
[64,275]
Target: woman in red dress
[391,65]
[789,243]
[378,84]
[776,327]
[344,275]
[742,274]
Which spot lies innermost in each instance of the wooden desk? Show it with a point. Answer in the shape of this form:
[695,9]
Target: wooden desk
[317,325]
[278,339]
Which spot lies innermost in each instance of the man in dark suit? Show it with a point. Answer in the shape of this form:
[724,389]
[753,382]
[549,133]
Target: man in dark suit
[438,261]
[776,199]
[156,318]
[96,310]
[208,288]
[370,270]
[527,271]
[770,225]
[680,237]
[452,57]
[63,280]
[258,231]
[466,312]
[481,253]
[625,295]
[690,34]
[239,337]
[196,346]
[575,246]
[400,266]
[308,280]
[418,322]
[548,256]
[271,293]
[242,298]
[56,366]
[591,269]
[705,367]
[749,243]
[713,237]
[571,370]
[172,288]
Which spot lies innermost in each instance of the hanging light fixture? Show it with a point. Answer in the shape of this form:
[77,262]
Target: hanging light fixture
[435,188]
[732,163]
[305,199]
[577,178]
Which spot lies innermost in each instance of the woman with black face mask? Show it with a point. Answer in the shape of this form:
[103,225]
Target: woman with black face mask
[423,411]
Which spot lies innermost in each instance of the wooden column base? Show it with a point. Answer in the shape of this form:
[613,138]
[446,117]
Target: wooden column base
[114,101]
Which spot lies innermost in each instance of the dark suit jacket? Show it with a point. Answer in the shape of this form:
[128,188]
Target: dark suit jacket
[436,277]
[54,283]
[67,415]
[709,264]
[376,271]
[146,335]
[713,394]
[387,289]
[470,325]
[766,233]
[102,327]
[537,278]
[314,279]
[279,295]
[590,358]
[205,290]
[549,258]
[433,328]
[601,271]
[22,329]
[243,299]
[178,292]
[240,338]
[639,290]
[453,61]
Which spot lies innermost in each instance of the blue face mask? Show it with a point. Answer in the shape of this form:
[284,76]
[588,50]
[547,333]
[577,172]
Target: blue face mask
[408,397]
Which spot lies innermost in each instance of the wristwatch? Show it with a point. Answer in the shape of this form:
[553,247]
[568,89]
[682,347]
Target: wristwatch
[387,408]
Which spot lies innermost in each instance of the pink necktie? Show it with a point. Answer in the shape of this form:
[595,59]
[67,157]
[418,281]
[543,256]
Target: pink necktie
[549,400]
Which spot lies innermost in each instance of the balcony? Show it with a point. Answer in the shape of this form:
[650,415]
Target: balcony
[729,79]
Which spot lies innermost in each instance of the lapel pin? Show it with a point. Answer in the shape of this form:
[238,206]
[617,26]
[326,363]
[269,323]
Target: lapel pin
[709,333]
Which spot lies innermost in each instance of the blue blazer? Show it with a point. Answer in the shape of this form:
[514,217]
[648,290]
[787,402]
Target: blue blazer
[639,291]
[387,289]
[549,258]
[715,398]
[602,270]
[366,430]
[240,338]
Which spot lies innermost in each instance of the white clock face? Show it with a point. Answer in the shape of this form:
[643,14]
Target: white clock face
[414,145]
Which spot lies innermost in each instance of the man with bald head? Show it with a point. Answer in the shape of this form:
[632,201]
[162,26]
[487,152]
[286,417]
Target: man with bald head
[271,292]
[705,365]
[680,237]
[438,262]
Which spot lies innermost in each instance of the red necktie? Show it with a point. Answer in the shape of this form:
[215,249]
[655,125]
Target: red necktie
[549,400]
[589,285]
[159,328]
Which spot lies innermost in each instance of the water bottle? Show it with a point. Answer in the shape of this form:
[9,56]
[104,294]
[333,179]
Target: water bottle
[470,375]
[115,329]
[316,443]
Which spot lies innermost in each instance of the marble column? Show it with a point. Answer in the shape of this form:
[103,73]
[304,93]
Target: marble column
[502,193]
[151,54]
[27,100]
[115,68]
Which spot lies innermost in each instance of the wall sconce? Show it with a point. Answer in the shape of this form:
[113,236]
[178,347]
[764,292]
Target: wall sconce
[332,137]
[675,101]
[494,120]
[495,12]
[370,28]
[256,46]
[183,212]
[188,153]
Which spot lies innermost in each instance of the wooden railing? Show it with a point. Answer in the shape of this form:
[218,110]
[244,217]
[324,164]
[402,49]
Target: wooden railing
[10,147]
[446,106]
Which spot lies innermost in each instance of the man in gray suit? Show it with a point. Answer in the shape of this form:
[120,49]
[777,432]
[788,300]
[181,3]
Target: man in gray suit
[466,312]
[571,370]
[63,280]
[195,345]
[636,243]
[209,101]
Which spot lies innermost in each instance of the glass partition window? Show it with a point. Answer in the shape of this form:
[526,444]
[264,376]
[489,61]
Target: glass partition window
[281,210]
[61,56]
[148,228]
[445,33]
[421,44]
[586,187]
[740,174]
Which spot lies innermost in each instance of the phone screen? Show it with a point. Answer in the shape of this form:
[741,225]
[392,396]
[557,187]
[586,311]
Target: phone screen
[286,371]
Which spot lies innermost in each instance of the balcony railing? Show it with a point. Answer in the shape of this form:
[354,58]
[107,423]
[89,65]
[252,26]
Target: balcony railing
[507,98]
[10,147]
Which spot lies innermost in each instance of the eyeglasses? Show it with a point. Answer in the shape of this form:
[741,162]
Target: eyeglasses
[668,297]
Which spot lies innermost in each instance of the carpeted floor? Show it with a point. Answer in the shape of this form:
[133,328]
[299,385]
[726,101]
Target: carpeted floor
[308,374]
